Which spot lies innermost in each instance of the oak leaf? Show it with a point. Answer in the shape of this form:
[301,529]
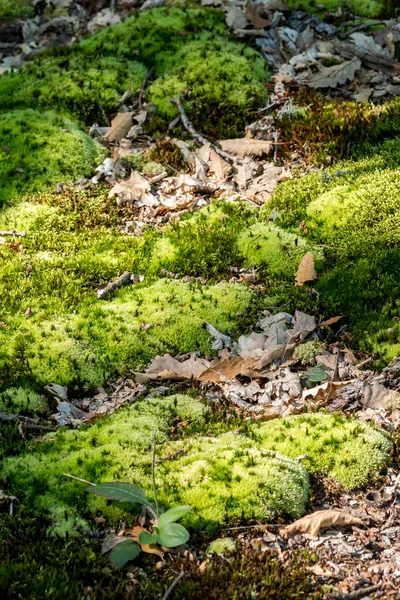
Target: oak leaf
[306,271]
[332,76]
[322,519]
[120,127]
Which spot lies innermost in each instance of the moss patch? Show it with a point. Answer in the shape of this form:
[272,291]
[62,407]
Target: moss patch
[350,452]
[363,8]
[15,9]
[40,150]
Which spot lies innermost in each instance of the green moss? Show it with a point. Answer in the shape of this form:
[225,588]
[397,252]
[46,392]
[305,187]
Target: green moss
[363,8]
[222,80]
[72,83]
[15,9]
[222,478]
[221,546]
[350,452]
[40,150]
[307,352]
[23,401]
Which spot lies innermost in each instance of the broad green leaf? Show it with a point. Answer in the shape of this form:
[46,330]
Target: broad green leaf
[316,374]
[172,534]
[123,492]
[124,552]
[174,514]
[147,538]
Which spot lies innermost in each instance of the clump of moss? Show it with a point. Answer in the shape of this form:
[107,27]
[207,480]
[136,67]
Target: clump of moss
[222,81]
[40,150]
[307,352]
[73,83]
[222,478]
[350,452]
[15,9]
[23,401]
[229,477]
[363,8]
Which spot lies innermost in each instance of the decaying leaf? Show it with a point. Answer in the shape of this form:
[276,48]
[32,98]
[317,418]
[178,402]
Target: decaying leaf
[135,188]
[325,392]
[253,15]
[220,167]
[332,76]
[330,321]
[306,271]
[120,127]
[227,369]
[322,519]
[167,367]
[246,147]
[235,18]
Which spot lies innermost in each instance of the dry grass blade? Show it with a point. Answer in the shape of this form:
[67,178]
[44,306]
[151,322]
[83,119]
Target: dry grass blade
[246,147]
[306,271]
[322,519]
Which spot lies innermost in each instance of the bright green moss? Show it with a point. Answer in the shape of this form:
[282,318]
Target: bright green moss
[40,150]
[72,83]
[15,9]
[223,80]
[23,401]
[307,352]
[363,8]
[350,452]
[228,477]
[220,477]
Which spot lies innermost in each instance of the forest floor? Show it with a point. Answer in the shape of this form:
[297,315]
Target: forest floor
[199,296]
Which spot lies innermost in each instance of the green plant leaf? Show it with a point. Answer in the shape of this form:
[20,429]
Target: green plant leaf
[316,374]
[124,552]
[123,492]
[174,514]
[172,534]
[147,538]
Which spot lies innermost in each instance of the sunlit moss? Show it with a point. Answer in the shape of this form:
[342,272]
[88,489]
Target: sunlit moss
[350,452]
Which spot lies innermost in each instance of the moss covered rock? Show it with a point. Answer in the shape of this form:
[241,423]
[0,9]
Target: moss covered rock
[350,452]
[40,150]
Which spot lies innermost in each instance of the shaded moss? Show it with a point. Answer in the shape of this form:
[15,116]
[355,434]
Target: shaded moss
[15,9]
[40,150]
[363,8]
[350,452]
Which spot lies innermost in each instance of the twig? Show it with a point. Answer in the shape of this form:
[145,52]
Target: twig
[124,97]
[78,479]
[114,285]
[14,233]
[198,137]
[364,362]
[144,85]
[174,123]
[153,471]
[173,585]
[252,32]
[276,138]
[360,27]
[273,104]
[356,594]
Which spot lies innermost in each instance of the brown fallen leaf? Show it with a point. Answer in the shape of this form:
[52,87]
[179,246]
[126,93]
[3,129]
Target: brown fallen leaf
[120,127]
[134,188]
[332,76]
[253,15]
[246,147]
[220,167]
[322,519]
[306,271]
[227,369]
[167,367]
[325,392]
[331,321]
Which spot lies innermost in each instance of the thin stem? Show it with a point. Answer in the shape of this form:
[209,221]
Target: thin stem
[153,469]
[78,479]
[173,585]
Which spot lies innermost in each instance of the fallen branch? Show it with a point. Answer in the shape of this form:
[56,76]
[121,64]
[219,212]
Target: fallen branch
[14,233]
[360,27]
[188,125]
[173,585]
[356,594]
[114,285]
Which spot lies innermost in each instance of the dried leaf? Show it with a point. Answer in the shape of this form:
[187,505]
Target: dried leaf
[367,43]
[120,127]
[167,367]
[332,76]
[321,519]
[235,18]
[220,167]
[331,321]
[227,369]
[246,147]
[253,15]
[306,271]
[135,188]
[325,392]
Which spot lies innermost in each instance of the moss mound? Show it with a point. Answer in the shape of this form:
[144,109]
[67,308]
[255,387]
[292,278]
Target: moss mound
[220,477]
[350,452]
[72,83]
[40,150]
[363,8]
[228,477]
[15,9]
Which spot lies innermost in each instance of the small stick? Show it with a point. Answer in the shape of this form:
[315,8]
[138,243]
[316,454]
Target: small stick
[198,137]
[144,85]
[360,27]
[173,585]
[124,279]
[78,479]
[174,123]
[276,138]
[364,362]
[14,233]
[153,472]
[356,594]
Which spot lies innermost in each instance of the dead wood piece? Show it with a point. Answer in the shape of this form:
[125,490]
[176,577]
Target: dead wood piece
[13,233]
[372,61]
[360,27]
[114,285]
[198,137]
[356,594]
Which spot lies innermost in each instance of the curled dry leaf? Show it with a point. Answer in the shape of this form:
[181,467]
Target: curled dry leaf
[246,147]
[120,127]
[322,519]
[333,76]
[306,271]
[129,190]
